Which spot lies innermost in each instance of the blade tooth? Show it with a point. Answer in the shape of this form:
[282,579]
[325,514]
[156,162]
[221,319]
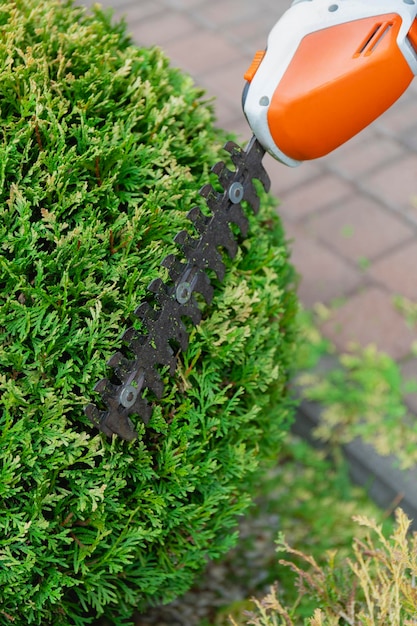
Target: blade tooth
[263,177]
[135,343]
[184,343]
[154,383]
[192,311]
[116,359]
[198,218]
[238,217]
[171,328]
[253,163]
[217,203]
[169,261]
[181,336]
[143,408]
[126,429]
[137,346]
[222,237]
[232,147]
[167,359]
[194,214]
[182,238]
[116,421]
[122,366]
[252,196]
[174,266]
[142,310]
[103,386]
[102,426]
[218,167]
[208,191]
[130,334]
[237,155]
[224,174]
[156,286]
[186,242]
[215,263]
[164,295]
[266,182]
[93,414]
[206,289]
[146,353]
[231,247]
[146,314]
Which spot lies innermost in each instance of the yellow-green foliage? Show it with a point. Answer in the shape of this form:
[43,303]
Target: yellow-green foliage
[361,395]
[103,148]
[374,586]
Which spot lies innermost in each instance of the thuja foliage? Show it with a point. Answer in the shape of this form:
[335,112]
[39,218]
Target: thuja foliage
[103,147]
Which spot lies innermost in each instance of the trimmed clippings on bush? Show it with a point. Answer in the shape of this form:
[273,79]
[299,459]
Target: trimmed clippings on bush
[103,149]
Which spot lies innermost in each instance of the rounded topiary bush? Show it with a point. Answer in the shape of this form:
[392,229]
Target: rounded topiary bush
[103,148]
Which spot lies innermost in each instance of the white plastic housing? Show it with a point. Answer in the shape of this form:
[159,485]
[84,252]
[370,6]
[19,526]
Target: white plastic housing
[303,18]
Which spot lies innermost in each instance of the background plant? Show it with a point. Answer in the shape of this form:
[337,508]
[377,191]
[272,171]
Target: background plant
[103,147]
[362,394]
[309,499]
[374,585]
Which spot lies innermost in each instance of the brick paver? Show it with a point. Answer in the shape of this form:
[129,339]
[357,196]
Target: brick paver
[395,184]
[352,214]
[202,53]
[396,271]
[359,228]
[369,317]
[170,26]
[324,275]
[323,191]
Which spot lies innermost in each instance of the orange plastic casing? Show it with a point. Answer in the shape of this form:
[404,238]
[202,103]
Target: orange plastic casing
[339,80]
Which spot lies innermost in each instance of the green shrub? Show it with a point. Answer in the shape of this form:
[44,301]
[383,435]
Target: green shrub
[103,148]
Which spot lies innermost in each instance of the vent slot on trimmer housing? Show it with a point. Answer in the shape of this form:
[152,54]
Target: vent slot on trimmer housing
[374,39]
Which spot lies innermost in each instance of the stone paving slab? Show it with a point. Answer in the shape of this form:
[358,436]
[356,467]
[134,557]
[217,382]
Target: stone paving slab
[325,275]
[360,230]
[369,316]
[355,209]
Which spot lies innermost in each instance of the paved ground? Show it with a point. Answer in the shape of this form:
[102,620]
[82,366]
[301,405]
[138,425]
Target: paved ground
[352,216]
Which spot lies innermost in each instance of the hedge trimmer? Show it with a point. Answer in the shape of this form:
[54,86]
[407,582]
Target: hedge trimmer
[328,71]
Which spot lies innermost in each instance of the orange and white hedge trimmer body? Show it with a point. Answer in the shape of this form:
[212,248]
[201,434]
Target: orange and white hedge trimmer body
[328,71]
